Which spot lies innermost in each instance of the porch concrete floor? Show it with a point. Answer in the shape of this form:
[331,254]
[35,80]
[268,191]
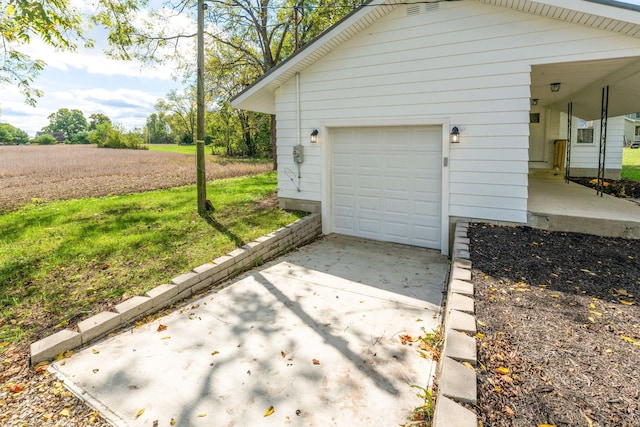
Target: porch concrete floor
[228,356]
[555,205]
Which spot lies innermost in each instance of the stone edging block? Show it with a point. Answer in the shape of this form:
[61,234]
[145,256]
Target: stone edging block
[298,233]
[457,383]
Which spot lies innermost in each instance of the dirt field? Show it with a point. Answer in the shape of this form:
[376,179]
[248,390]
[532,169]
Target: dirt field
[60,172]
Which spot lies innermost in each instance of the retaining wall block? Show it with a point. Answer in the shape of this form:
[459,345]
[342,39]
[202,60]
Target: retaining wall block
[49,347]
[460,273]
[449,414]
[135,307]
[461,303]
[186,280]
[460,321]
[98,325]
[162,294]
[461,287]
[462,263]
[457,381]
[224,261]
[461,347]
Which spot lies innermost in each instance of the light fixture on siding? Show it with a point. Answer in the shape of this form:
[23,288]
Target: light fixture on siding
[454,136]
[534,101]
[314,136]
[555,87]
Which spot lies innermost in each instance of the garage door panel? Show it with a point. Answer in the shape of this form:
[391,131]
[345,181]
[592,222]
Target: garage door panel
[394,175]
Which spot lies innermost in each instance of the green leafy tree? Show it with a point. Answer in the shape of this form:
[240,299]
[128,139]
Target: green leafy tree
[255,35]
[12,135]
[107,135]
[96,118]
[69,122]
[56,22]
[179,110]
[158,130]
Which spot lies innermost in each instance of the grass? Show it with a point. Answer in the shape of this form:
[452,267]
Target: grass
[62,261]
[173,148]
[631,164]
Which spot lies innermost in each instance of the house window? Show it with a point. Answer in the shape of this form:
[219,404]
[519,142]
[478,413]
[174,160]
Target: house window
[585,136]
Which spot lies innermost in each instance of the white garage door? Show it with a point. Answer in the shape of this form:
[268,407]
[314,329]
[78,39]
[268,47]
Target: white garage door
[386,184]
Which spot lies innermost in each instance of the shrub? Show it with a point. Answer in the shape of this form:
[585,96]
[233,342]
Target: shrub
[45,139]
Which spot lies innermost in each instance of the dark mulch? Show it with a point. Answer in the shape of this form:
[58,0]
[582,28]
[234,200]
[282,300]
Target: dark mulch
[559,327]
[620,188]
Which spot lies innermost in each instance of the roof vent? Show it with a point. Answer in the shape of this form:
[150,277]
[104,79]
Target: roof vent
[416,9]
[413,10]
[431,6]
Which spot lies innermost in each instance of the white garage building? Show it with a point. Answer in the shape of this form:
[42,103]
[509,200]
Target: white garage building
[385,87]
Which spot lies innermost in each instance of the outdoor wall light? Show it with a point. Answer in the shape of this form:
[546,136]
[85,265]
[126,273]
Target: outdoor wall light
[555,87]
[454,136]
[314,136]
[534,101]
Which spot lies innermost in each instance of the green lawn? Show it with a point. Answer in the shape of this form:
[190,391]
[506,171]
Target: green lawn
[631,164]
[174,148]
[62,261]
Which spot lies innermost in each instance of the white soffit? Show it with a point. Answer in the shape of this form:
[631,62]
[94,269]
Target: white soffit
[588,13]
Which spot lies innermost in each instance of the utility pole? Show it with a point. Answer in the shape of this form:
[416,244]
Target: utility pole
[201,180]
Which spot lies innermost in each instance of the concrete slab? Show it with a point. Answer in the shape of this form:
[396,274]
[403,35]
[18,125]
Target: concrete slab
[557,206]
[315,334]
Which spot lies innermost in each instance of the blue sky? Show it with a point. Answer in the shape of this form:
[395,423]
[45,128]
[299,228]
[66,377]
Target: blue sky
[87,80]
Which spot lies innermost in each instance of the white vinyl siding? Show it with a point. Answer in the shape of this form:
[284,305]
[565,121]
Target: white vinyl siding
[465,63]
[586,155]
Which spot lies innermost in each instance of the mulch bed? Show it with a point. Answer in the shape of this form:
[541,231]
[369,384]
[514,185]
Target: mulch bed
[623,188]
[559,327]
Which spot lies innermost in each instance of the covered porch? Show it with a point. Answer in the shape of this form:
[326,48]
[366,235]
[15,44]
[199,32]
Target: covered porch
[557,206]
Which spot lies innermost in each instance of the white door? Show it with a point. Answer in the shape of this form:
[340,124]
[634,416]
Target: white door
[386,183]
[536,135]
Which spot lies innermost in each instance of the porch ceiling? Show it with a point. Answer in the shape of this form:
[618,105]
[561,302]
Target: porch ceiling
[582,83]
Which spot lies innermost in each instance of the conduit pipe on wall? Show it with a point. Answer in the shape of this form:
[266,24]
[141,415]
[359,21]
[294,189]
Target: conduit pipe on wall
[298,130]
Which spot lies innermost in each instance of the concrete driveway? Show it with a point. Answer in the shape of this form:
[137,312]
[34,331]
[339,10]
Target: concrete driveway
[313,334]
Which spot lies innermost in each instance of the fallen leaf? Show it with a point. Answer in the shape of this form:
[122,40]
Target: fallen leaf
[95,351]
[481,323]
[588,272]
[404,339]
[140,412]
[626,302]
[591,319]
[546,425]
[468,365]
[42,367]
[213,353]
[161,328]
[166,338]
[418,320]
[555,296]
[316,362]
[269,411]
[16,388]
[65,412]
[173,422]
[592,305]
[479,335]
[202,415]
[501,371]
[597,313]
